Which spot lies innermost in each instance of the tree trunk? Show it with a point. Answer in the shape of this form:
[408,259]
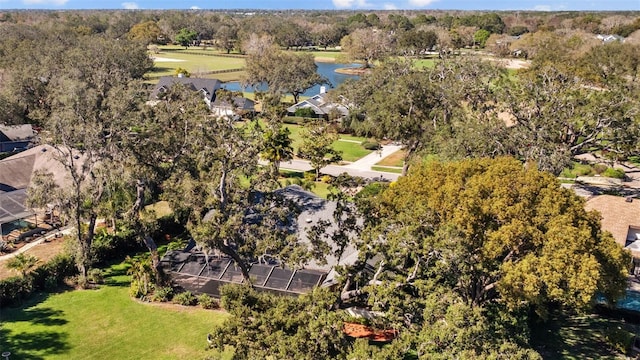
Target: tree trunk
[228,250]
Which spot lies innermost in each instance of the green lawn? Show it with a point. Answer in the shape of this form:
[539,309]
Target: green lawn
[105,324]
[394,170]
[195,62]
[424,63]
[351,151]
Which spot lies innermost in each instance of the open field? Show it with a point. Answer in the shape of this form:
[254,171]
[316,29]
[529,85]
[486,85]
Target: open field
[196,62]
[105,324]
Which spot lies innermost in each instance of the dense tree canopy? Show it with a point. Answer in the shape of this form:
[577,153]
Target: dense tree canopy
[494,231]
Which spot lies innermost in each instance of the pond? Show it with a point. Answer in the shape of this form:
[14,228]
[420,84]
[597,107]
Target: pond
[328,70]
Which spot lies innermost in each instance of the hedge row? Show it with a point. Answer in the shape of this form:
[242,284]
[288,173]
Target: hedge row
[46,277]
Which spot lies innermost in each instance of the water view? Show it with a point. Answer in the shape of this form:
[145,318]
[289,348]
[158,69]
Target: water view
[328,70]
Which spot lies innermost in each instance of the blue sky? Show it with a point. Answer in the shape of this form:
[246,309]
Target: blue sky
[542,5]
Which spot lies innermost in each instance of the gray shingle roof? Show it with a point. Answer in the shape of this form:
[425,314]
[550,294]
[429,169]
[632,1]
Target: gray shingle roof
[208,86]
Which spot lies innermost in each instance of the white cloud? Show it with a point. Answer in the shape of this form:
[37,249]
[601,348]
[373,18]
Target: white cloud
[45,2]
[390,6]
[347,4]
[421,3]
[195,7]
[130,5]
[542,8]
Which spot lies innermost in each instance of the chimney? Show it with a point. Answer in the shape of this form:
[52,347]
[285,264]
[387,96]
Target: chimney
[323,89]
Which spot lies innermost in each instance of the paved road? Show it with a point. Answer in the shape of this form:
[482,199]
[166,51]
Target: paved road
[335,170]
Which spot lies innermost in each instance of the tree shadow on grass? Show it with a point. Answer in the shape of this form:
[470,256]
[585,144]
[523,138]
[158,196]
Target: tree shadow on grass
[117,276]
[577,337]
[33,345]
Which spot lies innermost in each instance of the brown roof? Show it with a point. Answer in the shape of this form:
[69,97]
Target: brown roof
[617,214]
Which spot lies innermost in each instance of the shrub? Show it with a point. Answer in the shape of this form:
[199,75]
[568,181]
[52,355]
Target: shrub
[163,294]
[599,168]
[47,276]
[185,298]
[294,120]
[614,173]
[107,246]
[309,176]
[207,302]
[95,276]
[15,289]
[326,179]
[305,112]
[371,145]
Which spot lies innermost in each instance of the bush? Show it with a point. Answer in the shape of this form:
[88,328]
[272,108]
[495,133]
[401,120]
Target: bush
[305,112]
[163,294]
[326,179]
[371,145]
[107,246]
[95,276]
[614,173]
[207,302]
[310,176]
[294,120]
[15,289]
[599,168]
[47,276]
[185,298]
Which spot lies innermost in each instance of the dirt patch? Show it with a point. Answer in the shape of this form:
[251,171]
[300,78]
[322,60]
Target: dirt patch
[44,252]
[324,59]
[353,71]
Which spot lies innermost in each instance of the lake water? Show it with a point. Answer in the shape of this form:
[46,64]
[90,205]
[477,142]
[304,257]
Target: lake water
[325,69]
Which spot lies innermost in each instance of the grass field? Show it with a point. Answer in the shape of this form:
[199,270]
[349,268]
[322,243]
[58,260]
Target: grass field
[395,159]
[105,324]
[193,61]
[351,151]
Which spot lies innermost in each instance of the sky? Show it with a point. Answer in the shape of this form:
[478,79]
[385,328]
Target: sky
[540,5]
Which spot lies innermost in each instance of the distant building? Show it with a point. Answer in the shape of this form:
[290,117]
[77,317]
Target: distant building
[239,106]
[320,105]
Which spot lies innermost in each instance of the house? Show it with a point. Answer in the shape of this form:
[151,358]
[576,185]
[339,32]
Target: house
[321,106]
[202,273]
[235,107]
[16,137]
[239,106]
[207,87]
[621,217]
[16,173]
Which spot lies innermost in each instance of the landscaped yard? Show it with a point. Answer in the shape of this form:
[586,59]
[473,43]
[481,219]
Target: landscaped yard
[105,324]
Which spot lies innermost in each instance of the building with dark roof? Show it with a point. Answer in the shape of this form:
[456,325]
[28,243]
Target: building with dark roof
[207,87]
[16,137]
[195,271]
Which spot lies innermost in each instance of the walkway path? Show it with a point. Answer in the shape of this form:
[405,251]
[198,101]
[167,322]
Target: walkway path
[370,160]
[361,168]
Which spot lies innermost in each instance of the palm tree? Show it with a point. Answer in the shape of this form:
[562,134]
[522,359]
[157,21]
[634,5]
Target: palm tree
[22,263]
[277,147]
